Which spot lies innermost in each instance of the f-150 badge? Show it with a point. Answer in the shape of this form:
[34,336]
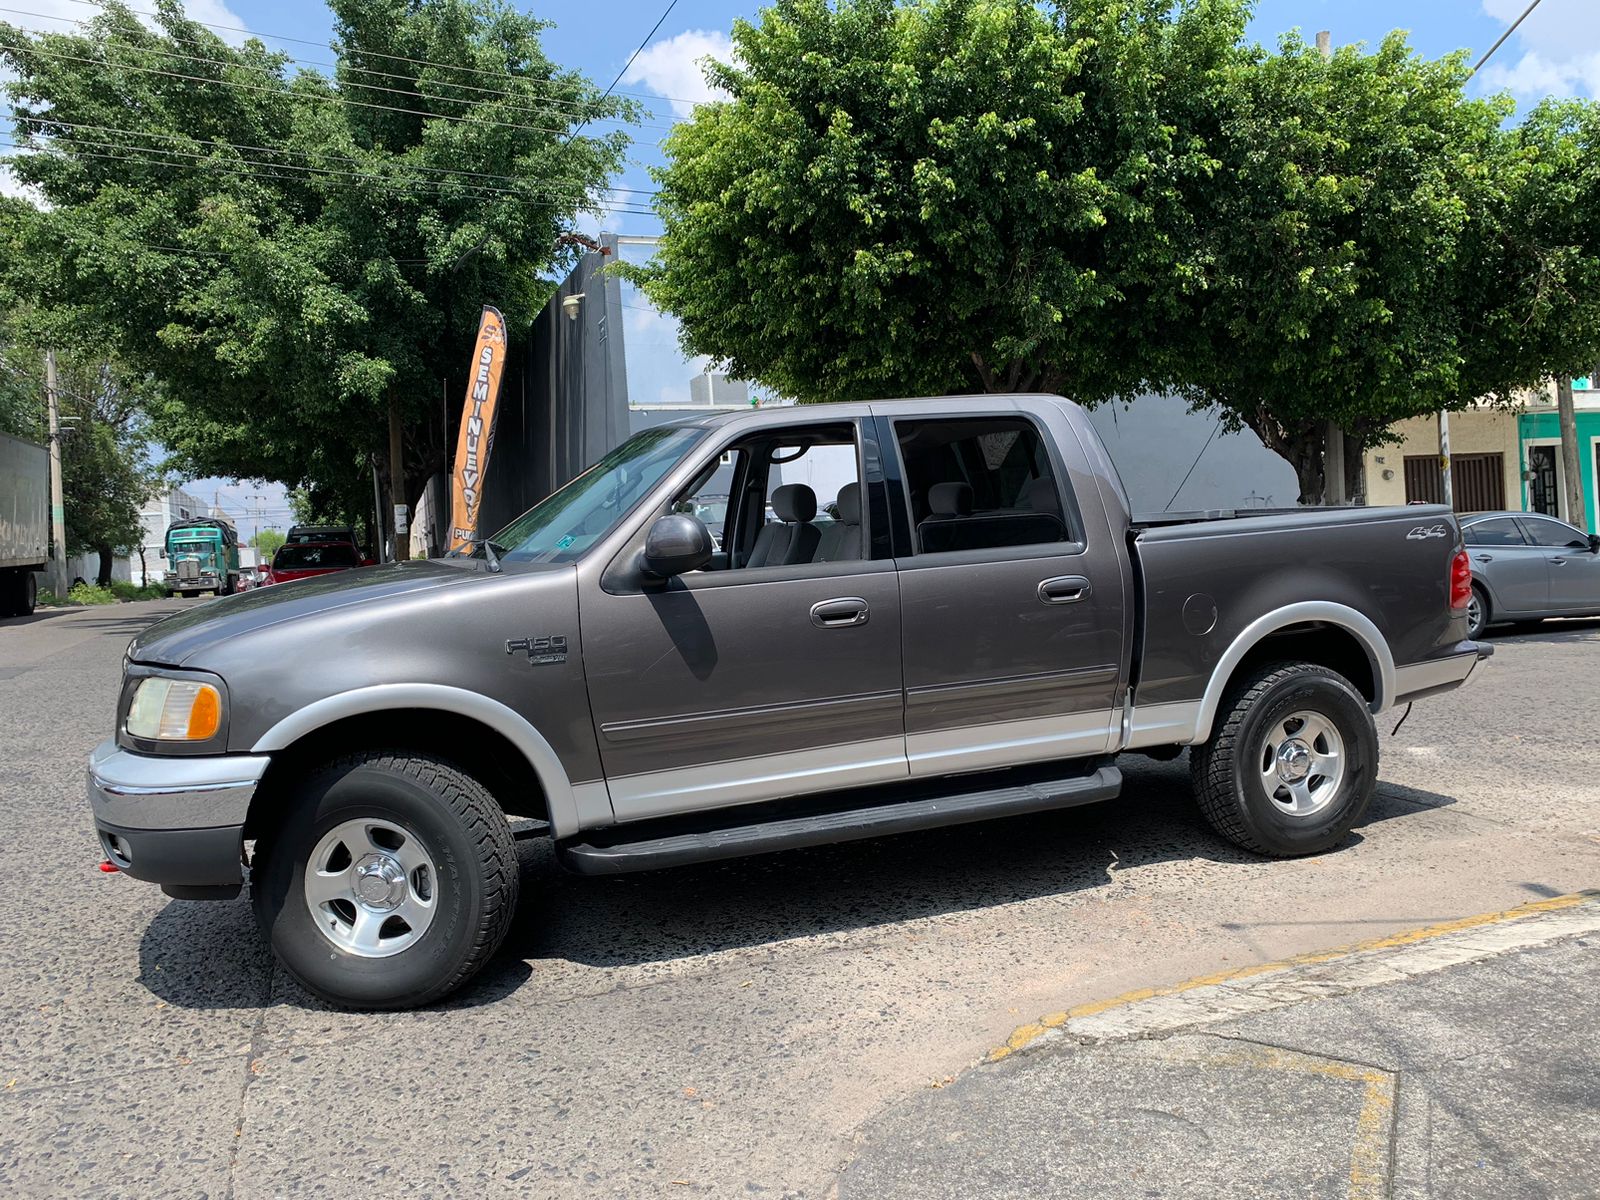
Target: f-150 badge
[540,650]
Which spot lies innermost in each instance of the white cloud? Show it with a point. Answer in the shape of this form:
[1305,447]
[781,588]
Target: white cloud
[1555,52]
[671,68]
[59,16]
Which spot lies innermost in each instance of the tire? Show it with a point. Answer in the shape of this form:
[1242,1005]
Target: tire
[28,594]
[1478,611]
[1232,771]
[411,808]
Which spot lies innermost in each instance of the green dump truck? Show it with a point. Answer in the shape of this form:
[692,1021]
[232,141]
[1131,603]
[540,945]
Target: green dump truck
[202,556]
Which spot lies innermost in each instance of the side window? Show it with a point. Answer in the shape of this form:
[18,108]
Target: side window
[786,498]
[1502,531]
[979,484]
[1555,535]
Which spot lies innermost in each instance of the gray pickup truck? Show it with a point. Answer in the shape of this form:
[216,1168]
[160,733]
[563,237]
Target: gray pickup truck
[967,623]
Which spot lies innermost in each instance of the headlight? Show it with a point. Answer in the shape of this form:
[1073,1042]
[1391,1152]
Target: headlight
[175,710]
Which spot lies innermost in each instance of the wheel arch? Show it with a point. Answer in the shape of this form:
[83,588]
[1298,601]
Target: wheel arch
[1329,634]
[462,725]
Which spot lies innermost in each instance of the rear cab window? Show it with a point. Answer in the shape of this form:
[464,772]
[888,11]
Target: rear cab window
[981,483]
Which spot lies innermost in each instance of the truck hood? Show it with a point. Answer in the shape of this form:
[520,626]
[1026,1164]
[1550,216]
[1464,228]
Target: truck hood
[179,638]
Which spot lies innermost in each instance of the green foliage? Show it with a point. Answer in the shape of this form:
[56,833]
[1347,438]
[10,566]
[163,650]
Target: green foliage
[1100,197]
[958,195]
[281,252]
[267,542]
[123,590]
[88,593]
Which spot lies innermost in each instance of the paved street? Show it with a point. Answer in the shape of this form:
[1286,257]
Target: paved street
[753,1027]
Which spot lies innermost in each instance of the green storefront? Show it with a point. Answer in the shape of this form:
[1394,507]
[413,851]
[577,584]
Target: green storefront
[1539,434]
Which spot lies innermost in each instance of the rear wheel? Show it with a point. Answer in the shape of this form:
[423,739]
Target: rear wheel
[1292,762]
[1477,613]
[391,881]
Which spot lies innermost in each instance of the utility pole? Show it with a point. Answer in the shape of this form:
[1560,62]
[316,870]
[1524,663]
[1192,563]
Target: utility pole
[1568,421]
[397,482]
[1333,436]
[58,504]
[377,516]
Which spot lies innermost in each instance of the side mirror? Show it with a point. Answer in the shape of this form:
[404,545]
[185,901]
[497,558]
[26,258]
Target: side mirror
[1594,543]
[676,543]
[161,553]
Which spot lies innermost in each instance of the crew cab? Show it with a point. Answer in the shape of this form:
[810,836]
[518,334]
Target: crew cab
[980,628]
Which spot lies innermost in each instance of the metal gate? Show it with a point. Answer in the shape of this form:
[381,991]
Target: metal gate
[1478,481]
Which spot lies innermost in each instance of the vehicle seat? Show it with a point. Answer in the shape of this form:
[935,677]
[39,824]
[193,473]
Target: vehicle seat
[949,512]
[1039,495]
[792,538]
[841,538]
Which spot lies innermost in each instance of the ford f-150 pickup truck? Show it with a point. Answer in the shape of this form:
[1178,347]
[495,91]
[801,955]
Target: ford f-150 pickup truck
[972,625]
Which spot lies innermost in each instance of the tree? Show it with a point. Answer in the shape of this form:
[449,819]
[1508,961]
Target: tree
[267,542]
[959,195]
[297,256]
[105,477]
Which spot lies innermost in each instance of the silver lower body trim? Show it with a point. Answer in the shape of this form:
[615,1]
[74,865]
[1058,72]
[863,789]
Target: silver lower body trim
[1434,674]
[750,780]
[1011,743]
[141,791]
[1171,724]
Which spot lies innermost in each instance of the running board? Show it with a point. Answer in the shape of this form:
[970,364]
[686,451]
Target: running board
[622,848]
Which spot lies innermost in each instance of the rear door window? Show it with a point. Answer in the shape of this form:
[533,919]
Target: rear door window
[1502,531]
[980,483]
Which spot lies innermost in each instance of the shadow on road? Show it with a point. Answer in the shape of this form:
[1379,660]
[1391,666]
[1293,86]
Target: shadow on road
[211,956]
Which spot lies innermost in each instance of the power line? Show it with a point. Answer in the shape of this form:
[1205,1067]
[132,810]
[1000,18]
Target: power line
[198,139]
[639,49]
[421,62]
[549,99]
[256,87]
[1510,29]
[1214,429]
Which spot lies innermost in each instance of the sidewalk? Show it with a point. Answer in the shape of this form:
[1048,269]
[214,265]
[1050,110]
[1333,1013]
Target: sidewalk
[1458,1061]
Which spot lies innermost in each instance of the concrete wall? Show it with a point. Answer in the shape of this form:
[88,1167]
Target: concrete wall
[1475,431]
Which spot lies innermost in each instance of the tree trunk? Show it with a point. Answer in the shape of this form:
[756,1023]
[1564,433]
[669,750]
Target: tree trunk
[1567,419]
[1301,448]
[103,578]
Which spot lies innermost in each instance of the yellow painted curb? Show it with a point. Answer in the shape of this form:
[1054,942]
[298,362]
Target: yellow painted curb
[1023,1035]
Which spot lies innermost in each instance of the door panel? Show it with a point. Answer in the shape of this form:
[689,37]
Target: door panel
[1574,572]
[724,690]
[1013,654]
[1518,574]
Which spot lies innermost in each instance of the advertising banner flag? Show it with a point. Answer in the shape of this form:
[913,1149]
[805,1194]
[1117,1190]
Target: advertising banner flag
[477,427]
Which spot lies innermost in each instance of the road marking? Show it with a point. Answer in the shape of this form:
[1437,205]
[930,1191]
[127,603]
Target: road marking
[1218,996]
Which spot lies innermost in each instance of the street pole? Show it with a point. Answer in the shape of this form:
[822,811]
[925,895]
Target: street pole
[58,504]
[1568,420]
[397,482]
[377,516]
[1333,435]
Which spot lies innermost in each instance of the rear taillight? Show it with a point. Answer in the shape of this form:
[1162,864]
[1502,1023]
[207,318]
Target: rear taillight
[1460,580]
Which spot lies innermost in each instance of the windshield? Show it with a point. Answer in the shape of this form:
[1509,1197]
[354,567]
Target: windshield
[566,523]
[192,547]
[306,558]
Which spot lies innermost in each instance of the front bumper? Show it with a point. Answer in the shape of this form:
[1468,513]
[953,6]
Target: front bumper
[176,821]
[1439,674]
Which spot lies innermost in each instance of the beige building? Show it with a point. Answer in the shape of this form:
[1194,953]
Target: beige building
[1486,465]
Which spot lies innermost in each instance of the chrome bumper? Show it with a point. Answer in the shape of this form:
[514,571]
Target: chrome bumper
[1439,674]
[176,821]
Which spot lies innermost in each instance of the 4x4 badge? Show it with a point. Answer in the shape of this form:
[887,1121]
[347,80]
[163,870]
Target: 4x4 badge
[540,649]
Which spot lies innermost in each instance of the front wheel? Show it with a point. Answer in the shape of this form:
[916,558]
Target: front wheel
[391,881]
[1292,762]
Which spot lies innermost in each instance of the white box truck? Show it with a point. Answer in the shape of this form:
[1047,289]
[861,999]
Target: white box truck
[24,523]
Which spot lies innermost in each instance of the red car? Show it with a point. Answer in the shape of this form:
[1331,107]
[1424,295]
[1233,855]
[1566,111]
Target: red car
[306,559]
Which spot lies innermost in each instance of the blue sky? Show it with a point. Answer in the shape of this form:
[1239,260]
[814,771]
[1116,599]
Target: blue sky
[1556,51]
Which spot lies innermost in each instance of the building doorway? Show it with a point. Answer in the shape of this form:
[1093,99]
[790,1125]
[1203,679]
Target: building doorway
[1544,478]
[1478,481]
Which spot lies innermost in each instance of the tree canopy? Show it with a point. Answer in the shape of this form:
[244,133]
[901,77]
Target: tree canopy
[1103,197]
[288,251]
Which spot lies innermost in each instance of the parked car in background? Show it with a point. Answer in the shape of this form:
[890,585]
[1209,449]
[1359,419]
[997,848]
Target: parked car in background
[302,534]
[305,559]
[1527,566]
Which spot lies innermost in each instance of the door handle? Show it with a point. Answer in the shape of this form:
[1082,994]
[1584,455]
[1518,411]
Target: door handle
[1555,562]
[1484,557]
[1065,589]
[841,613]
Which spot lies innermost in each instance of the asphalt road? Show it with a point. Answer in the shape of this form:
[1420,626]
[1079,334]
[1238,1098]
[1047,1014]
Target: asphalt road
[722,1031]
